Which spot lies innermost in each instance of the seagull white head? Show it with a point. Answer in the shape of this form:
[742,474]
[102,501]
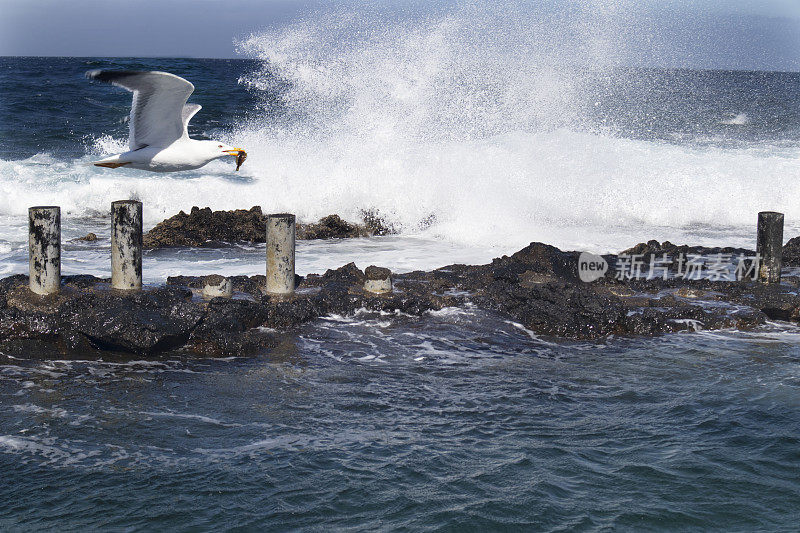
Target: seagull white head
[216,150]
[159,137]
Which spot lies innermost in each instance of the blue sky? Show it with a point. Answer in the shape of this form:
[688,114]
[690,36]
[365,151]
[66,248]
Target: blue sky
[742,34]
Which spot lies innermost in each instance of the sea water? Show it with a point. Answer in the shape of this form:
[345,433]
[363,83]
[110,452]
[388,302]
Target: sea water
[472,134]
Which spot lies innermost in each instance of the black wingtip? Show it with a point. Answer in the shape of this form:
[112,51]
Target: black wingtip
[110,76]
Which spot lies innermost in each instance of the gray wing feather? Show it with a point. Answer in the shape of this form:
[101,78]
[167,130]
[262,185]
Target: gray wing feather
[189,110]
[157,112]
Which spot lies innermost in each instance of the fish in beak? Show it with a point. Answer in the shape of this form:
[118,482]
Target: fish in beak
[240,154]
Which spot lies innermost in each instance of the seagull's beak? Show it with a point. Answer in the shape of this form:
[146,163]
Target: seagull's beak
[235,151]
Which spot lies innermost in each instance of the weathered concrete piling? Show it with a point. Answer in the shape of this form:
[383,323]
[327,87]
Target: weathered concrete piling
[379,280]
[126,245]
[769,246]
[44,249]
[280,253]
[216,286]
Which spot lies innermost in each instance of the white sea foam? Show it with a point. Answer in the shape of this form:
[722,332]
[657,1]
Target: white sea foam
[188,416]
[55,412]
[106,145]
[739,119]
[473,122]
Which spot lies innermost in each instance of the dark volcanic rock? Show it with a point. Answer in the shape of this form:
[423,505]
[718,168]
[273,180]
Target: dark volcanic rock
[251,285]
[538,258]
[791,252]
[332,227]
[226,329]
[348,273]
[142,323]
[207,228]
[87,317]
[655,248]
[678,255]
[89,237]
[536,287]
[203,227]
[377,273]
[556,308]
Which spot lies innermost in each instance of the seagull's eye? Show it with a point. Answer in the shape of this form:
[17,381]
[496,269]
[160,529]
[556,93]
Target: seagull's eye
[220,146]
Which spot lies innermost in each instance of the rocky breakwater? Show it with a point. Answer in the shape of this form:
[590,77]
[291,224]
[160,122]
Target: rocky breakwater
[537,287]
[207,228]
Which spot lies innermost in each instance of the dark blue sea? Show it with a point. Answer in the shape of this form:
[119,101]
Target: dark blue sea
[472,145]
[458,421]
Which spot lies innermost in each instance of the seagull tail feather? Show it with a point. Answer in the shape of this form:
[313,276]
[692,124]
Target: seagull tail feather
[111,162]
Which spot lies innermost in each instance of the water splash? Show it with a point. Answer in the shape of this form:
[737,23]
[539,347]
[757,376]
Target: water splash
[481,121]
[738,119]
[480,126]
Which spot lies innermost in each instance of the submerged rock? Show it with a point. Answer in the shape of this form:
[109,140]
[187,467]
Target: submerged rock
[207,228]
[89,237]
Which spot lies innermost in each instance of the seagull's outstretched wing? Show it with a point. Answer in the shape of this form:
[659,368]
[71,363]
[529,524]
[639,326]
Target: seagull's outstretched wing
[157,113]
[189,110]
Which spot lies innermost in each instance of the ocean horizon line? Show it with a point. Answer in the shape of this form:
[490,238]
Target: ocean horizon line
[240,58]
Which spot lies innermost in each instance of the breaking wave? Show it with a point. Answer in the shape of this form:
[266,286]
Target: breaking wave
[478,126]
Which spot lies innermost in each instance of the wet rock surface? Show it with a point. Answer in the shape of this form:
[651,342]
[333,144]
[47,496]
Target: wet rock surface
[659,249]
[377,273]
[89,237]
[537,287]
[207,228]
[333,227]
[791,252]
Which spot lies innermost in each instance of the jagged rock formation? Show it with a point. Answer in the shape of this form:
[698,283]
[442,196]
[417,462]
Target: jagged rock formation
[207,228]
[537,287]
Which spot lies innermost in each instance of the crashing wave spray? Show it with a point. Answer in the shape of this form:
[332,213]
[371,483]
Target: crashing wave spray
[475,120]
[484,126]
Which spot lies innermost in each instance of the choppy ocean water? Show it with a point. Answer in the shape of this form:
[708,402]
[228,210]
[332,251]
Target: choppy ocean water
[459,420]
[456,421]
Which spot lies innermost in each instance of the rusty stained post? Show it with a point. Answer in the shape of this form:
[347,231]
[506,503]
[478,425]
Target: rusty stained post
[126,245]
[44,249]
[769,246]
[280,253]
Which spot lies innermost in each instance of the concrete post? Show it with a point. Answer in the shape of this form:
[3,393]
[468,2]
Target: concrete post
[215,286]
[280,253]
[126,245]
[379,280]
[44,249]
[769,246]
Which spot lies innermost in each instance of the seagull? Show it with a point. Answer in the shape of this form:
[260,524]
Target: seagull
[159,137]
